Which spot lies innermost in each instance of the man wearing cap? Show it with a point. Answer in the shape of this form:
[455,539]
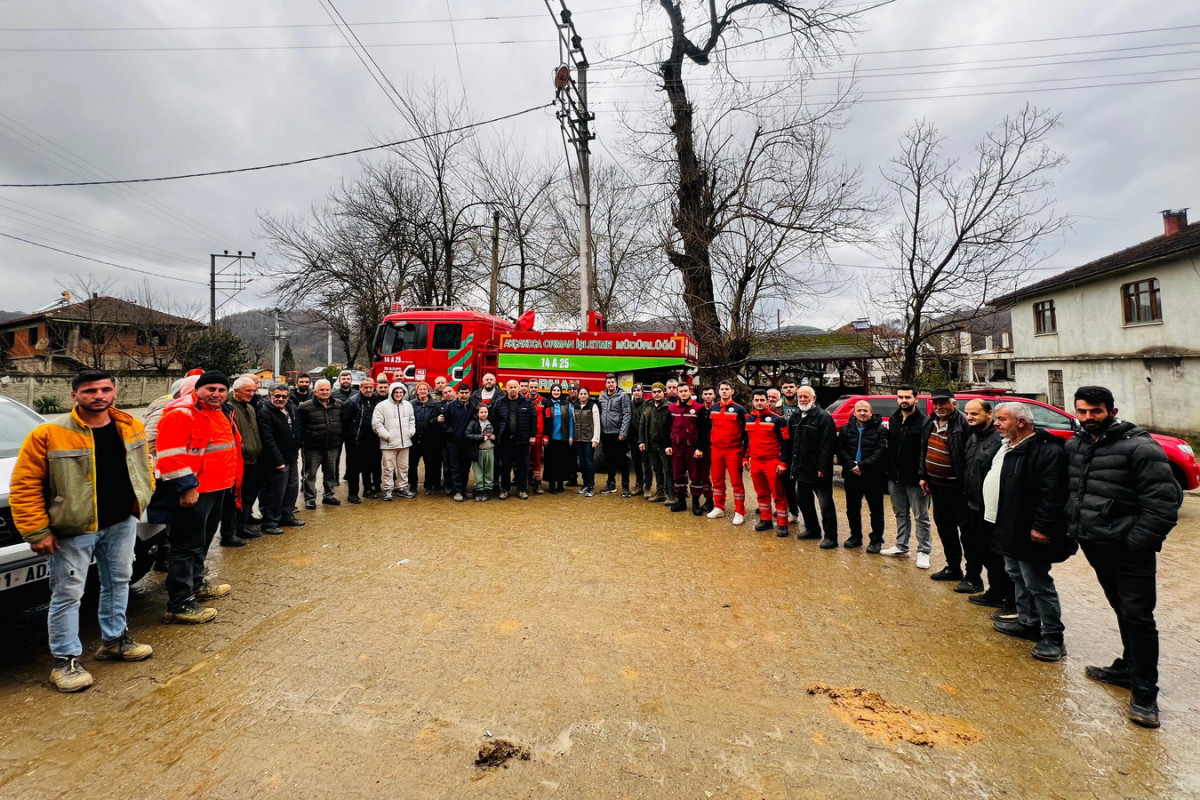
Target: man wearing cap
[616,415]
[200,462]
[942,469]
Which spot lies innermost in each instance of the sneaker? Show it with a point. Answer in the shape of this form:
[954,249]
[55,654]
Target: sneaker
[894,551]
[947,574]
[1144,714]
[123,648]
[793,518]
[538,490]
[589,491]
[408,494]
[1006,613]
[502,496]
[1117,674]
[69,675]
[210,591]
[190,614]
[458,498]
[969,586]
[1050,649]
[310,505]
[716,513]
[874,547]
[1014,628]
[782,531]
[989,598]
[371,496]
[387,496]
[522,495]
[609,490]
[331,501]
[625,493]
[738,519]
[922,560]
[764,525]
[657,497]
[354,500]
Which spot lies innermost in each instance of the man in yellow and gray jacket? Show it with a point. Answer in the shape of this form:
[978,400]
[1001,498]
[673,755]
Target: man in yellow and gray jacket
[77,489]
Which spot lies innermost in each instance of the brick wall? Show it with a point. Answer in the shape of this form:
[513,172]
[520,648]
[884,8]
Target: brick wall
[132,391]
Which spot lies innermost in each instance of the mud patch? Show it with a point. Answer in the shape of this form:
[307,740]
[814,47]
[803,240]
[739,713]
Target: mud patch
[496,753]
[869,713]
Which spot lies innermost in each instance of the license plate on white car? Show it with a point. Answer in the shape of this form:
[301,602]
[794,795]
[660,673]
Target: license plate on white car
[11,579]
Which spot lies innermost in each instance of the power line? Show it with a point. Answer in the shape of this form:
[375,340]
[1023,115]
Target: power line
[283,163]
[101,261]
[363,55]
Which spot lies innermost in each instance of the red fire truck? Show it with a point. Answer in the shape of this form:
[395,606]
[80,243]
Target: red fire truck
[421,343]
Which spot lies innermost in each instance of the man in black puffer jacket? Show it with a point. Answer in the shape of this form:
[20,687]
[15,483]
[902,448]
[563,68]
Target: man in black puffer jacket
[1024,496]
[363,460]
[813,436]
[982,443]
[427,441]
[862,450]
[515,419]
[1123,503]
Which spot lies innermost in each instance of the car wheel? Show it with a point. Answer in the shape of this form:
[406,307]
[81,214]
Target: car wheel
[144,551]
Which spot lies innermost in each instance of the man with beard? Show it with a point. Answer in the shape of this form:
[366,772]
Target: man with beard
[942,467]
[690,428]
[655,441]
[1123,503]
[616,414]
[785,404]
[982,444]
[767,460]
[487,391]
[813,436]
[303,390]
[427,441]
[363,460]
[728,421]
[456,415]
[909,503]
[637,404]
[345,388]
[514,419]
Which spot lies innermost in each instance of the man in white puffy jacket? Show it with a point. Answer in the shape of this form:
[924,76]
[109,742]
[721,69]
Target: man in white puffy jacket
[395,424]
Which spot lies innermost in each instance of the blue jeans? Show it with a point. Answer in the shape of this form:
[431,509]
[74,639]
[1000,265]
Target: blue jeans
[112,548]
[585,454]
[905,500]
[1037,599]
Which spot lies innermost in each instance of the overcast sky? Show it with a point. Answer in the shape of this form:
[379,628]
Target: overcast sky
[142,89]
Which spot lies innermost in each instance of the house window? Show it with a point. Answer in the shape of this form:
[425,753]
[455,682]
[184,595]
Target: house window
[1054,393]
[1141,301]
[33,336]
[1044,320]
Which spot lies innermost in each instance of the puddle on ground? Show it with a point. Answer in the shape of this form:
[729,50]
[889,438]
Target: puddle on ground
[869,713]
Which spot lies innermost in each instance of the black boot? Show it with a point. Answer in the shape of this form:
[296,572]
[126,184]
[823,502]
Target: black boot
[764,525]
[1117,674]
[679,505]
[697,506]
[1050,648]
[1143,707]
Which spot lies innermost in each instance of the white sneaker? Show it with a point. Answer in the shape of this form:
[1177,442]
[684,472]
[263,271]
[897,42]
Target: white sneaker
[738,519]
[716,513]
[792,519]
[922,560]
[894,551]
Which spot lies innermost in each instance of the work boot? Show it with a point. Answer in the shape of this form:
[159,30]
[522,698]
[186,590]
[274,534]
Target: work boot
[1050,648]
[1015,628]
[190,614]
[69,675]
[708,505]
[782,531]
[852,542]
[233,540]
[212,591]
[679,505]
[1117,674]
[969,585]
[697,507]
[1143,711]
[123,648]
[874,547]
[354,500]
[828,544]
[808,535]
[764,525]
[639,489]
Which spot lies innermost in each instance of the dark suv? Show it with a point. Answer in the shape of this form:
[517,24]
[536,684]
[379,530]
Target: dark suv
[1054,420]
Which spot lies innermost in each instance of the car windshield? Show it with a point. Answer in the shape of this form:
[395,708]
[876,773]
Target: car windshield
[15,424]
[836,404]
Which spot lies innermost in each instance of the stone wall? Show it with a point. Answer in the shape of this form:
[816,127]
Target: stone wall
[132,391]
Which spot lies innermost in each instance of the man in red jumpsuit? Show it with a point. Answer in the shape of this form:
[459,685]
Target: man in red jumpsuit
[529,389]
[689,443]
[728,420]
[767,457]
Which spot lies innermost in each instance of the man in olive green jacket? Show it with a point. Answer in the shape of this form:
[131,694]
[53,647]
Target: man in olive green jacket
[77,489]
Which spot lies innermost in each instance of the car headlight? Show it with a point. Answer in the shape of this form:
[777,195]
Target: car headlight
[1187,448]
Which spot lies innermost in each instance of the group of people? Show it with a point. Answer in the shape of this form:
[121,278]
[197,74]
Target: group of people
[1007,499]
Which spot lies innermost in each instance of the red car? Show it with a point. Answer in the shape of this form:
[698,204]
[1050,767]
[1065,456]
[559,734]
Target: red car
[1054,420]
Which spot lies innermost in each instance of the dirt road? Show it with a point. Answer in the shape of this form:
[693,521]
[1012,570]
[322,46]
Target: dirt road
[596,648]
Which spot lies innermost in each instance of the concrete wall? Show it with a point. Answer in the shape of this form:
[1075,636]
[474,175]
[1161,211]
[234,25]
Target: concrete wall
[1153,369]
[131,391]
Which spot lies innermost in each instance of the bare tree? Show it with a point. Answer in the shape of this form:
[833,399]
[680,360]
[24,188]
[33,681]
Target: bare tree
[967,233]
[731,174]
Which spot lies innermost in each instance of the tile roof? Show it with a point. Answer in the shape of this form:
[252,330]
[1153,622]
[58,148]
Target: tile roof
[1187,239]
[108,310]
[821,346]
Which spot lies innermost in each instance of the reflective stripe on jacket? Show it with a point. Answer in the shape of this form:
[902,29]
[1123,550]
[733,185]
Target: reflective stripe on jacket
[197,440]
[51,489]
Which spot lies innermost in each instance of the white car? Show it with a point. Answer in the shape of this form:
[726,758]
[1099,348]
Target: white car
[23,573]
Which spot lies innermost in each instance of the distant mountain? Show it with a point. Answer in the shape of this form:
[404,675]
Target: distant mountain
[5,316]
[308,336]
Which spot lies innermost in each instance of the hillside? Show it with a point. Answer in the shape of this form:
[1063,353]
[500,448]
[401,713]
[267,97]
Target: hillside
[308,336]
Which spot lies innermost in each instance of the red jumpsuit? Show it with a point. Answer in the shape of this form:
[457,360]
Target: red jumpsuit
[765,435]
[689,433]
[535,449]
[728,437]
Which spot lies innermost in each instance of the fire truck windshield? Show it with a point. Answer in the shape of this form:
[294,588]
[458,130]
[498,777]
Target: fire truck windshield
[399,336]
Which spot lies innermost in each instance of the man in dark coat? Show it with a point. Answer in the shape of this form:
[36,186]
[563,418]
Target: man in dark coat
[909,504]
[1123,503]
[279,428]
[514,417]
[941,469]
[813,436]
[454,418]
[363,460]
[427,441]
[862,451]
[1024,497]
[982,443]
[321,426]
[654,439]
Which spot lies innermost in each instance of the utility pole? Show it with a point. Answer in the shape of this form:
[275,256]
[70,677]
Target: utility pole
[329,347]
[495,288]
[278,337]
[575,118]
[232,284]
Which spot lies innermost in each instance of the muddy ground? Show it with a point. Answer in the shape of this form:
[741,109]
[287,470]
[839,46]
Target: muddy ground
[596,648]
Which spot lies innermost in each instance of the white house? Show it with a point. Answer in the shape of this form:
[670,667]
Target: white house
[1129,321]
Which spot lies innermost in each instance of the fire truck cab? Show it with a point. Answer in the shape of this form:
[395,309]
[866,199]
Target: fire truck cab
[421,343]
